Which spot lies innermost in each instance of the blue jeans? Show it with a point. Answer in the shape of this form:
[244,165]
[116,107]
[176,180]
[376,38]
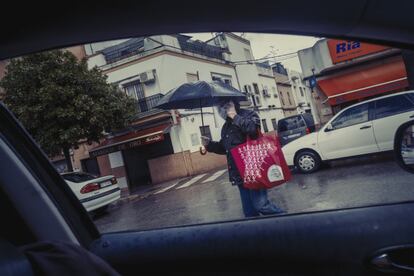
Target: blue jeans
[255,202]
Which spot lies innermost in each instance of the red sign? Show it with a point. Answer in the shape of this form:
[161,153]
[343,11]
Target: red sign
[342,50]
[127,145]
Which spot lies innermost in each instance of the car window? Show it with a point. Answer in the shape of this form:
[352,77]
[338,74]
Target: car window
[393,105]
[78,177]
[352,116]
[94,109]
[291,123]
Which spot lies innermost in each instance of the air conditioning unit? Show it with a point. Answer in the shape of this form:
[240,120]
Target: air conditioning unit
[147,77]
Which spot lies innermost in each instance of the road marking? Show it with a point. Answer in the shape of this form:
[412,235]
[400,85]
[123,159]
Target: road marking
[191,181]
[215,176]
[166,188]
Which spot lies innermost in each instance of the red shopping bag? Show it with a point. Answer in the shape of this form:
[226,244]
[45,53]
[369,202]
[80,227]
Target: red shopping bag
[261,163]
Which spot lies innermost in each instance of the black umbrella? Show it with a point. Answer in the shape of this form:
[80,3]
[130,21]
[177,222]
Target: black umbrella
[198,95]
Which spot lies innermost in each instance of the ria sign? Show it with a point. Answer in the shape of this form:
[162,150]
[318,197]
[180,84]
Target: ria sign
[343,50]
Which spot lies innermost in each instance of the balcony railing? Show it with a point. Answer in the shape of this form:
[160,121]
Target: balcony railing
[148,103]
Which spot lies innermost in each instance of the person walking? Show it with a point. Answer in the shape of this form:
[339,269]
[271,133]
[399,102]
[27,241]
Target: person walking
[240,123]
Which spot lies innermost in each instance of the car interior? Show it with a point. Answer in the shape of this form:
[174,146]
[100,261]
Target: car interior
[37,205]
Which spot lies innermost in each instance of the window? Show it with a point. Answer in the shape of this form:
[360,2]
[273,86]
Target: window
[248,88]
[205,131]
[257,100]
[192,77]
[352,116]
[256,88]
[274,124]
[221,77]
[274,92]
[195,140]
[135,90]
[392,105]
[288,96]
[291,123]
[247,54]
[78,177]
[281,98]
[264,124]
[301,91]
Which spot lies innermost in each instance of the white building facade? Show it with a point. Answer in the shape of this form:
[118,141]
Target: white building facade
[303,94]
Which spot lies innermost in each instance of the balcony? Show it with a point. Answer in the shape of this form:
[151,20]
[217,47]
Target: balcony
[146,106]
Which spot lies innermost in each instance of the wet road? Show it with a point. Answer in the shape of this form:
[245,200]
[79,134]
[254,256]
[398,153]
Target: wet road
[351,183]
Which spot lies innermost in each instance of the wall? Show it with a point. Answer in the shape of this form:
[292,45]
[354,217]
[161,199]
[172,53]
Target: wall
[265,112]
[285,92]
[82,152]
[316,57]
[78,51]
[184,164]
[249,74]
[113,164]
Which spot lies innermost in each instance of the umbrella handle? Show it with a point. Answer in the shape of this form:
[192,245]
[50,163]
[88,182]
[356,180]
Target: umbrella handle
[203,151]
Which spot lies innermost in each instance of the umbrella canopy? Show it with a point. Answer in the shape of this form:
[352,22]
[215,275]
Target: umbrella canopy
[199,94]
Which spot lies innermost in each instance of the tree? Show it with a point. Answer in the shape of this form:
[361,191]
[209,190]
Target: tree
[61,102]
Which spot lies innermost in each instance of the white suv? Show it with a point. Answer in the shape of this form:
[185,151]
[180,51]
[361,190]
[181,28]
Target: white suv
[364,128]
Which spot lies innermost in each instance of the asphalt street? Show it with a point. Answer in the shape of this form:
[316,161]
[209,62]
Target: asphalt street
[211,198]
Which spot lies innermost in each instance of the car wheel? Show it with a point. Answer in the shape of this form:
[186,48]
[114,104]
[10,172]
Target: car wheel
[307,161]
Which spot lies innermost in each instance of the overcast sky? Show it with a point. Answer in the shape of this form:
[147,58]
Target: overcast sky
[264,44]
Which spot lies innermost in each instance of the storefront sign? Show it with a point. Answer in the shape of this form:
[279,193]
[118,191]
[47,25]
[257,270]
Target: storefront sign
[342,50]
[131,144]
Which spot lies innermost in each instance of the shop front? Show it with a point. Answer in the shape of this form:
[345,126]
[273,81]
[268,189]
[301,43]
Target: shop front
[348,72]
[126,156]
[365,81]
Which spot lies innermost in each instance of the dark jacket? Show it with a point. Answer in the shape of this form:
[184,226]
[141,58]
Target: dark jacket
[233,133]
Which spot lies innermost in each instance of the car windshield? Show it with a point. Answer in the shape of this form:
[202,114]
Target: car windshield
[78,177]
[190,127]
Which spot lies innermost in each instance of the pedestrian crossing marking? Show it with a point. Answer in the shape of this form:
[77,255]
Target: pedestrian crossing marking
[166,188]
[191,181]
[215,176]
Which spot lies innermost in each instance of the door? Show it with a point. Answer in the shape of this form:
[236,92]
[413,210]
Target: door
[136,161]
[339,142]
[390,113]
[90,165]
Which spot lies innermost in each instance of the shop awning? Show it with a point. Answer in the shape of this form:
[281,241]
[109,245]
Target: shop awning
[362,83]
[131,140]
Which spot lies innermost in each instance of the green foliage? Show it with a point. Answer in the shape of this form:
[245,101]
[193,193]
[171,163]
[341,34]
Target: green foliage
[61,102]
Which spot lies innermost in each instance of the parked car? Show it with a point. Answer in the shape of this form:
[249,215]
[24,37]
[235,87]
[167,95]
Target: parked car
[364,128]
[95,193]
[294,127]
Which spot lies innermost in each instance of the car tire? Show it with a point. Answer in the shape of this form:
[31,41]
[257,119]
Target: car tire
[307,161]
